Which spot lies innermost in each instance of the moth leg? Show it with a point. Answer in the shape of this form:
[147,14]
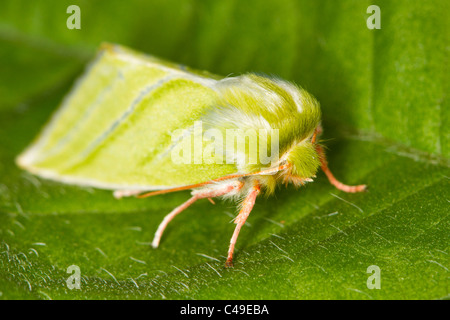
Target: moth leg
[317,132]
[207,192]
[168,218]
[247,207]
[332,179]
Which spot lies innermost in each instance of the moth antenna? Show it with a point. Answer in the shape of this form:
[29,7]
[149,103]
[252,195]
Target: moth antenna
[269,171]
[188,187]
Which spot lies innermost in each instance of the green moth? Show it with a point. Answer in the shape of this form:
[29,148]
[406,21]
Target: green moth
[142,126]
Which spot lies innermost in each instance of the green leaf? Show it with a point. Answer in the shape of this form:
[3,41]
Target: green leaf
[384,95]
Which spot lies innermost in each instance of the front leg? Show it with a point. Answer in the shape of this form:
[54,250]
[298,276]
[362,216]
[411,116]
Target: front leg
[335,182]
[324,165]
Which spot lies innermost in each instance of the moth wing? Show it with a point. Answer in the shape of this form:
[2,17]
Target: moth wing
[114,129]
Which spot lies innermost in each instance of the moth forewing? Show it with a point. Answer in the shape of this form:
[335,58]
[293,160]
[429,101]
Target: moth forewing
[135,123]
[114,129]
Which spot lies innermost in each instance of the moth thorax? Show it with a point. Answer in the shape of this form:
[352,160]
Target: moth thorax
[303,161]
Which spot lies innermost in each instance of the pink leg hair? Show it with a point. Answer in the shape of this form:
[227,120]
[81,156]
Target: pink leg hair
[247,207]
[201,194]
[126,193]
[332,179]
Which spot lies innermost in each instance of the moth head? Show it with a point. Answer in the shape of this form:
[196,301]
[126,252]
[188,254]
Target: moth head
[302,163]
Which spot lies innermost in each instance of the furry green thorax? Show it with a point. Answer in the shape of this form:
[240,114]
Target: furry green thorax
[257,102]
